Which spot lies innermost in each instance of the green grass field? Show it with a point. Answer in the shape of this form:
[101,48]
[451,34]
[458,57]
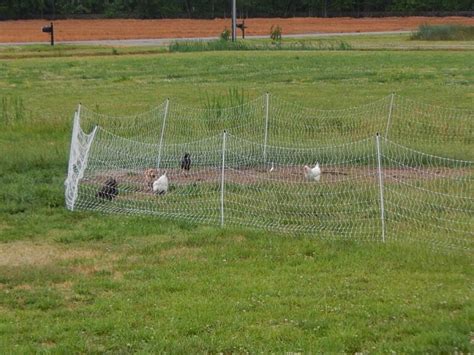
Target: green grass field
[87,282]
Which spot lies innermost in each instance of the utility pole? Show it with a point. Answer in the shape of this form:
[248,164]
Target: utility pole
[234,21]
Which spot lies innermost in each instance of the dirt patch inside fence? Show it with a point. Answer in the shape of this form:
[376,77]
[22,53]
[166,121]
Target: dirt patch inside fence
[136,181]
[116,29]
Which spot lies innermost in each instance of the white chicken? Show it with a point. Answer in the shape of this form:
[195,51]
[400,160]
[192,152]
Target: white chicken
[160,186]
[313,174]
[272,168]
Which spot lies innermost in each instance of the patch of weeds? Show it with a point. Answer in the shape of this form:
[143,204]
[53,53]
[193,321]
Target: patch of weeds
[31,275]
[225,35]
[275,34]
[32,298]
[449,32]
[12,110]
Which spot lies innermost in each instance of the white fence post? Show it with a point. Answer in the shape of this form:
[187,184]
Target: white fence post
[224,137]
[389,119]
[162,133]
[267,108]
[379,173]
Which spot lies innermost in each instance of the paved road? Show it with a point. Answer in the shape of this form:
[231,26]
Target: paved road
[166,41]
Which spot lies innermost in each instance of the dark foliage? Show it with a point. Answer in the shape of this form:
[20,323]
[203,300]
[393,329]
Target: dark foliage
[16,9]
[444,33]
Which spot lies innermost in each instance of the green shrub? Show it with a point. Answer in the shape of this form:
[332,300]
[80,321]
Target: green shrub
[220,45]
[444,33]
[225,35]
[275,34]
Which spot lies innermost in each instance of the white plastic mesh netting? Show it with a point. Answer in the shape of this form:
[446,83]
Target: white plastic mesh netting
[276,195]
[78,157]
[428,198]
[292,125]
[247,169]
[431,128]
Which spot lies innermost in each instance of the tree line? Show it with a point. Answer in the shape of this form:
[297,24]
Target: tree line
[23,9]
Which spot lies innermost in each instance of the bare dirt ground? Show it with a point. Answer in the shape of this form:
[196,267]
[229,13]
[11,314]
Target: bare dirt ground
[137,182]
[116,29]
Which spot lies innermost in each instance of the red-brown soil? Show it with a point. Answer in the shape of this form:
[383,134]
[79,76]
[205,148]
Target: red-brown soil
[282,174]
[73,30]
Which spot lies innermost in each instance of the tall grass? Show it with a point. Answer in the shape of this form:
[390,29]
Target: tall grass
[220,45]
[215,105]
[444,33]
[12,110]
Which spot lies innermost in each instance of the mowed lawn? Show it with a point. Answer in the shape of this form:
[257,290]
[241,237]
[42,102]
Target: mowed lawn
[87,282]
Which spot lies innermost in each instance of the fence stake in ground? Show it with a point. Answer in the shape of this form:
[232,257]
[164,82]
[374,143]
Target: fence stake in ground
[162,133]
[265,138]
[379,173]
[224,137]
[390,110]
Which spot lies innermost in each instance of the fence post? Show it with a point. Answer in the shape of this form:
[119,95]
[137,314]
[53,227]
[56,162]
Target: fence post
[379,173]
[224,138]
[162,133]
[267,107]
[390,110]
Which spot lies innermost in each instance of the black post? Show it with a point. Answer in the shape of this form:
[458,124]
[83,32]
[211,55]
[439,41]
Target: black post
[52,34]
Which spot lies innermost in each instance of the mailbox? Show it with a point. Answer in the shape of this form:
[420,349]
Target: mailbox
[49,29]
[242,27]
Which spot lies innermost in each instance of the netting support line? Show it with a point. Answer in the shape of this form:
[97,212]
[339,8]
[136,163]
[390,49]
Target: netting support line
[160,146]
[265,138]
[379,173]
[224,137]
[390,110]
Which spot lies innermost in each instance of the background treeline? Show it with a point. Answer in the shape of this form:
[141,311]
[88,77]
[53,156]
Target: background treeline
[21,9]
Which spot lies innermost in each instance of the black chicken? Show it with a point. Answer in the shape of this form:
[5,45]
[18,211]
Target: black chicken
[186,162]
[109,190]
